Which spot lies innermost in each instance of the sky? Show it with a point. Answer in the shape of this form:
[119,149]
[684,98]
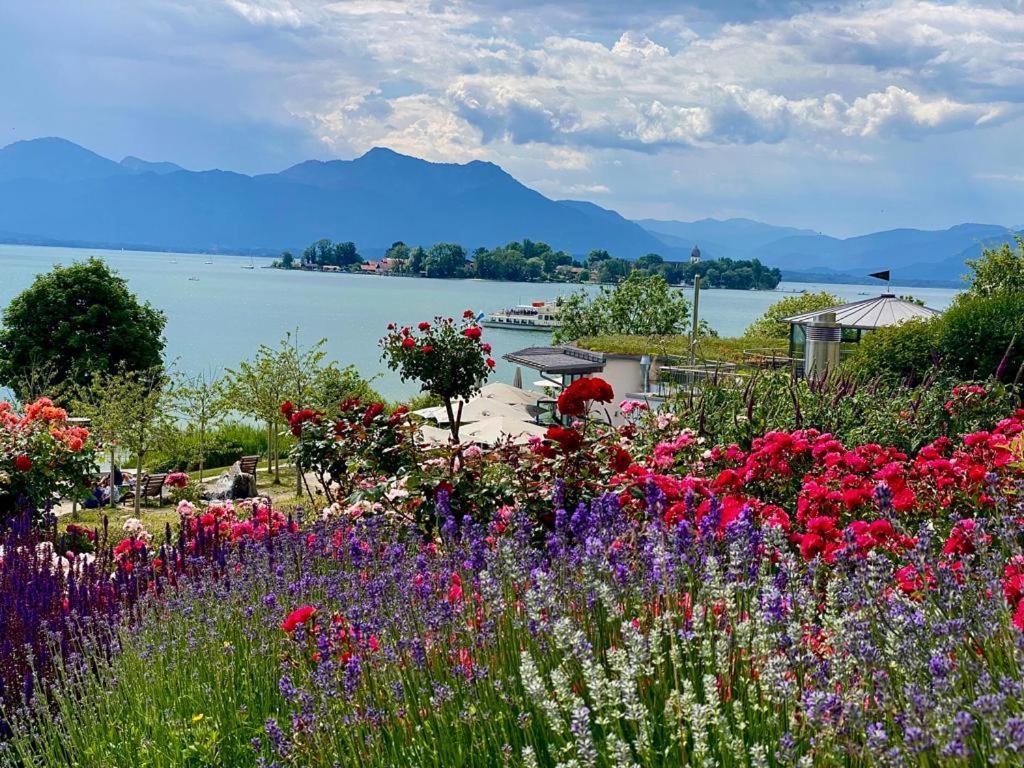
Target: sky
[842,117]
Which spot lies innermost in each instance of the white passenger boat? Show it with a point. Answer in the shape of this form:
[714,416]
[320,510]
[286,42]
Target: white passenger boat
[538,316]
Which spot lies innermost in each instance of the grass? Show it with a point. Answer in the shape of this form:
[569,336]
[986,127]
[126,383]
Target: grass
[708,348]
[155,517]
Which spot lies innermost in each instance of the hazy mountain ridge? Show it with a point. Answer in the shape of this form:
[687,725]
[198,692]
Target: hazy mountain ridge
[54,191]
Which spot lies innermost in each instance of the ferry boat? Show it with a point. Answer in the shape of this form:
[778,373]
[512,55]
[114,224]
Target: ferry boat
[538,316]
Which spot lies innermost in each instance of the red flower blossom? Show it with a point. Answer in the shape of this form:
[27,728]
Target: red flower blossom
[473,332]
[490,363]
[486,348]
[23,463]
[298,616]
[424,326]
[372,411]
[468,314]
[287,409]
[408,342]
[619,459]
[569,439]
[575,399]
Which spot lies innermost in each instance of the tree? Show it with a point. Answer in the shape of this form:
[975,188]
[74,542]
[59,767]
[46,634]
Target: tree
[613,270]
[417,260]
[198,404]
[770,324]
[448,359]
[445,260]
[596,256]
[128,411]
[641,305]
[998,270]
[74,322]
[256,389]
[287,260]
[648,262]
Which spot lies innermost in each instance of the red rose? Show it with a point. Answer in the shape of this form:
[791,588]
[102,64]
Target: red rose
[296,617]
[426,349]
[620,459]
[569,439]
[23,463]
[372,411]
[468,313]
[490,363]
[408,342]
[424,326]
[486,348]
[473,332]
[287,409]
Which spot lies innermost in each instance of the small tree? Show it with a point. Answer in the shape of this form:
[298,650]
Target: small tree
[256,389]
[998,271]
[198,401]
[770,324]
[446,357]
[129,412]
[641,305]
[76,321]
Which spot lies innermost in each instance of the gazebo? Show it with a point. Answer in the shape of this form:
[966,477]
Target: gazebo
[569,363]
[854,319]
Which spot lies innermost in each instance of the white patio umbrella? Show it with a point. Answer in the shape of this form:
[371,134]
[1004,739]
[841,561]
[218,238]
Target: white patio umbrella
[509,394]
[477,409]
[434,435]
[497,428]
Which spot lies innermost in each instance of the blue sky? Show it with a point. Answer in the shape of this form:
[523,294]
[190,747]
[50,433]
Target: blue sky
[844,117]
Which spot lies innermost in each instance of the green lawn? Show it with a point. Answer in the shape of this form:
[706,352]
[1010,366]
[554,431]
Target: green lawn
[155,517]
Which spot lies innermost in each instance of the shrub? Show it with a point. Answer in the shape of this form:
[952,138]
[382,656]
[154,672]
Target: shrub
[904,352]
[770,325]
[974,334]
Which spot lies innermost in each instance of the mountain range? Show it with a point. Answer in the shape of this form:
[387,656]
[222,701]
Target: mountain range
[54,191]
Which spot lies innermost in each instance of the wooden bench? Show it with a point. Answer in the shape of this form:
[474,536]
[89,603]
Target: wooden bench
[148,487]
[247,464]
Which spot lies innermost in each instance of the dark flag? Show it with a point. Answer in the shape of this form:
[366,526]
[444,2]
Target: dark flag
[884,275]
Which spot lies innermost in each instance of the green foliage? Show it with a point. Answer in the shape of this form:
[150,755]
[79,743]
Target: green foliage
[976,333]
[445,260]
[613,270]
[904,352]
[641,305]
[72,323]
[876,411]
[770,325]
[130,413]
[723,273]
[326,253]
[225,444]
[999,270]
[447,358]
[968,341]
[287,261]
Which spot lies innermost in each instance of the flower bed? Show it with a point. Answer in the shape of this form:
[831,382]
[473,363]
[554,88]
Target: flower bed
[628,597]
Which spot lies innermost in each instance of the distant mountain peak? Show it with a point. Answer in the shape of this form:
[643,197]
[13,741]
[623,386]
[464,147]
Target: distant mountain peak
[138,165]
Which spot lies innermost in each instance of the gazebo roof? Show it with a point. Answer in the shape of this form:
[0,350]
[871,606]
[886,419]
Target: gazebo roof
[869,314]
[568,360]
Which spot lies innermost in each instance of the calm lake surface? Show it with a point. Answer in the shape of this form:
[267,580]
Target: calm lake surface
[221,317]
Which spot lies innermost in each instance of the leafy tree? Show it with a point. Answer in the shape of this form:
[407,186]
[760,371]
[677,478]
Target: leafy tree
[998,270]
[445,260]
[129,414]
[641,305]
[446,357]
[256,388]
[75,322]
[771,326]
[650,260]
[596,256]
[198,403]
[417,260]
[975,335]
[287,260]
[326,253]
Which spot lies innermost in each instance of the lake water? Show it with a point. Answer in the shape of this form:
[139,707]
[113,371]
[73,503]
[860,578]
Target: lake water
[220,318]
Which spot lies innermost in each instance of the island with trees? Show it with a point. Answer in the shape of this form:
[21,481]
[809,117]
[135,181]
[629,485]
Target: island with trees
[528,261]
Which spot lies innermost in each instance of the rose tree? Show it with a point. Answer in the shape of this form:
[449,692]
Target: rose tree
[448,359]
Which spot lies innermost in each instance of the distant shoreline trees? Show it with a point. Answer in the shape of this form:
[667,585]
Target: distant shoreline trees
[530,261]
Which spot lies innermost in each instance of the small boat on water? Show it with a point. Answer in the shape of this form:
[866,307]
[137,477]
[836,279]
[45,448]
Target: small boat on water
[193,279]
[538,316]
[208,262]
[250,265]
